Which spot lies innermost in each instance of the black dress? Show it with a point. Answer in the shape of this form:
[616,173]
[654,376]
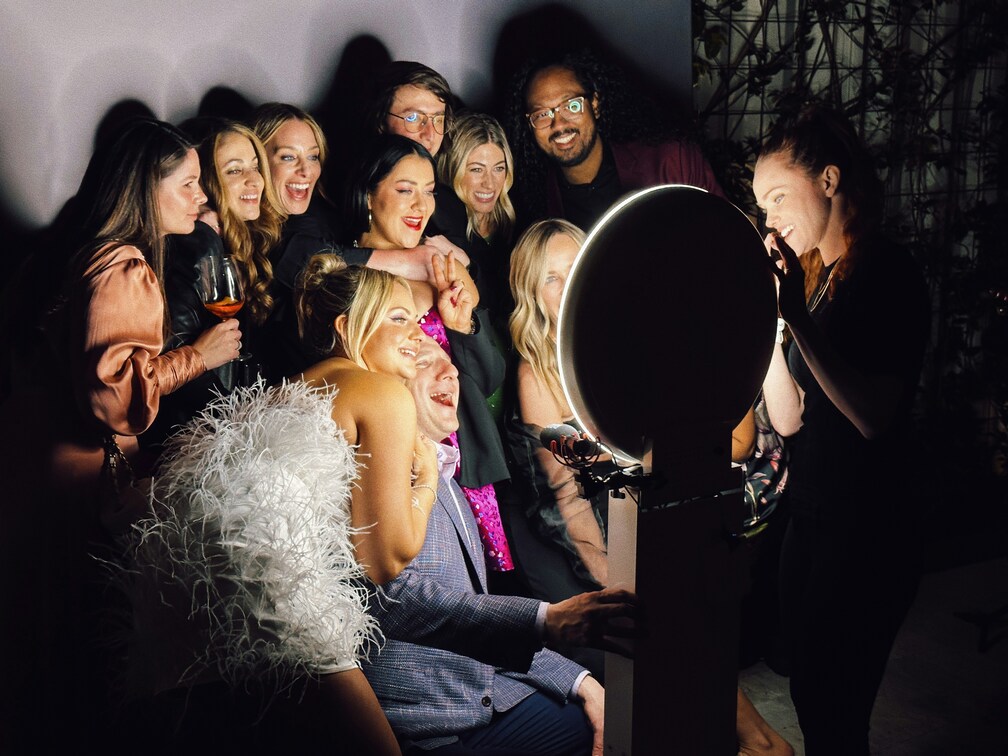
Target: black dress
[848,567]
[189,318]
[303,236]
[489,260]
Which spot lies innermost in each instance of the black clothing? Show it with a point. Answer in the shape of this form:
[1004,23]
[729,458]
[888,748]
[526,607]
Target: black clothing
[303,236]
[489,260]
[584,204]
[848,567]
[878,323]
[481,372]
[189,318]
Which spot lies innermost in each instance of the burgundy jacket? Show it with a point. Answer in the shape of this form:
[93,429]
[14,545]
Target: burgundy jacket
[641,165]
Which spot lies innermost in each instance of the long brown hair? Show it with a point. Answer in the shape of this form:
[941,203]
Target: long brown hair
[817,137]
[248,242]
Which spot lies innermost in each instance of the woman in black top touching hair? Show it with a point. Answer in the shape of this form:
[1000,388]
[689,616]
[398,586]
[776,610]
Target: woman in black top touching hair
[842,392]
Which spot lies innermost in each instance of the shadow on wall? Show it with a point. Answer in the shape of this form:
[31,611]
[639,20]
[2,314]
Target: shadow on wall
[17,240]
[550,32]
[553,28]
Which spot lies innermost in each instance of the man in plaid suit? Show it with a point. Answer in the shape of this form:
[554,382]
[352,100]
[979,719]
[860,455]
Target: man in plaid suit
[464,671]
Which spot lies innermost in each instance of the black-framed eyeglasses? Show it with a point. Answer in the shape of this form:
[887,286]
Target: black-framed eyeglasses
[416,121]
[543,119]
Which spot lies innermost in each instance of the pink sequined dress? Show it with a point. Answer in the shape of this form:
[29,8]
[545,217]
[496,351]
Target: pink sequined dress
[482,500]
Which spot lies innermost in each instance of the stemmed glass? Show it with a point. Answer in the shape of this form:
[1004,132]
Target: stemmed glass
[221,289]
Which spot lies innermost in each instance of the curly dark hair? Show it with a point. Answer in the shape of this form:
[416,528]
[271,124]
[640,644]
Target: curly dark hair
[625,114]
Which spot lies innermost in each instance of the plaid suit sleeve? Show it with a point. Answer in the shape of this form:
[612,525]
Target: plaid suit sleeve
[496,630]
[551,673]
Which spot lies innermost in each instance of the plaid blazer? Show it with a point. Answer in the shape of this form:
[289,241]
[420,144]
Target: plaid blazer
[455,654]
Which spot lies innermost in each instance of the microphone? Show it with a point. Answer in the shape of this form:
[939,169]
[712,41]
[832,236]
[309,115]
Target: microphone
[572,446]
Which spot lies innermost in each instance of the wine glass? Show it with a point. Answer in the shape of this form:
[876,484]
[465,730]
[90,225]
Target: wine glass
[221,289]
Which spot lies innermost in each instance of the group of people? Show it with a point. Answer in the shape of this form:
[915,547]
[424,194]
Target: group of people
[406,320]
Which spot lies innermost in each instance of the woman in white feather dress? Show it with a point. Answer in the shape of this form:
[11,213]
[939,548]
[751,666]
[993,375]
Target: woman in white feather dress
[275,504]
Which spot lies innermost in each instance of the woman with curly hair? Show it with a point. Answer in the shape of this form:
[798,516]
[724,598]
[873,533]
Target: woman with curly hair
[298,150]
[241,220]
[540,264]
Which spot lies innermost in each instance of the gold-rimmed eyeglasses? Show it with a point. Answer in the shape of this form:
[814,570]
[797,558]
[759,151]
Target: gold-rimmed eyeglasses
[543,119]
[416,121]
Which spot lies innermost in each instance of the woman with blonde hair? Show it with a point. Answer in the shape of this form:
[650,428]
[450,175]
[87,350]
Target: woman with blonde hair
[363,323]
[266,526]
[297,150]
[479,168]
[540,263]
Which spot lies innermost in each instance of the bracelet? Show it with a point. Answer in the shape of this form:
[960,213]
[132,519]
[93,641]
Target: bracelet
[416,504]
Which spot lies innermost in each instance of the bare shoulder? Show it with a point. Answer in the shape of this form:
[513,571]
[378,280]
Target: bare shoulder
[361,398]
[536,402]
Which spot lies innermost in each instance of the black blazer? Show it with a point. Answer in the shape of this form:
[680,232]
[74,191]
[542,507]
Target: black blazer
[481,372]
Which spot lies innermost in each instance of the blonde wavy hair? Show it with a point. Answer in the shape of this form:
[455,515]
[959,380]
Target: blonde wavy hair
[248,242]
[533,332]
[469,132]
[327,288]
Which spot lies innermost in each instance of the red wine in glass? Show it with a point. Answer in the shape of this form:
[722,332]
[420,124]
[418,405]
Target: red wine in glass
[221,288]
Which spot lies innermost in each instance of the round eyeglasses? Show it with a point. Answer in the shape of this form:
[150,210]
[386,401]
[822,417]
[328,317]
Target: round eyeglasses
[416,121]
[543,119]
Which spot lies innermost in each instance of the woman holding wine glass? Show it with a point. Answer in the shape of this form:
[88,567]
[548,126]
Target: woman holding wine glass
[87,369]
[238,227]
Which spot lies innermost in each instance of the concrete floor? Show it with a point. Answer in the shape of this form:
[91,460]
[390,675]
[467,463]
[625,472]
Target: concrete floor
[941,695]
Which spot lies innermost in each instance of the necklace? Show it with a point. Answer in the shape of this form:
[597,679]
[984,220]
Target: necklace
[822,290]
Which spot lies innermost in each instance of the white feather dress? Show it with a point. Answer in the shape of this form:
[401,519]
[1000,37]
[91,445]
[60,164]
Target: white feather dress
[246,572]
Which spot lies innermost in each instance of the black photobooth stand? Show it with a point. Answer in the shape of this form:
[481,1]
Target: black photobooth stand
[666,331]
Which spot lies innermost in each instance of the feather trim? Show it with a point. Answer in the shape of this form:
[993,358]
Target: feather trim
[251,542]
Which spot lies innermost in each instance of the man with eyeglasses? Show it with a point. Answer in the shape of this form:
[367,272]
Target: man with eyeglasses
[581,142]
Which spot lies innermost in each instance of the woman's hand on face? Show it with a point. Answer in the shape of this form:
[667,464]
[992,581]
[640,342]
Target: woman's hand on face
[775,258]
[456,294]
[790,281]
[219,344]
[445,248]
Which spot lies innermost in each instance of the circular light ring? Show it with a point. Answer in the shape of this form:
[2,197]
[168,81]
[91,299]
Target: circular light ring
[667,319]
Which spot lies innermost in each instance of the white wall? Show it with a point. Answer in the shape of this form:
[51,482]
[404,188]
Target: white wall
[67,61]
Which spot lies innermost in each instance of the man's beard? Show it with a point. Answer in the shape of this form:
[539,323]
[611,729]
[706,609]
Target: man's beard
[569,161]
